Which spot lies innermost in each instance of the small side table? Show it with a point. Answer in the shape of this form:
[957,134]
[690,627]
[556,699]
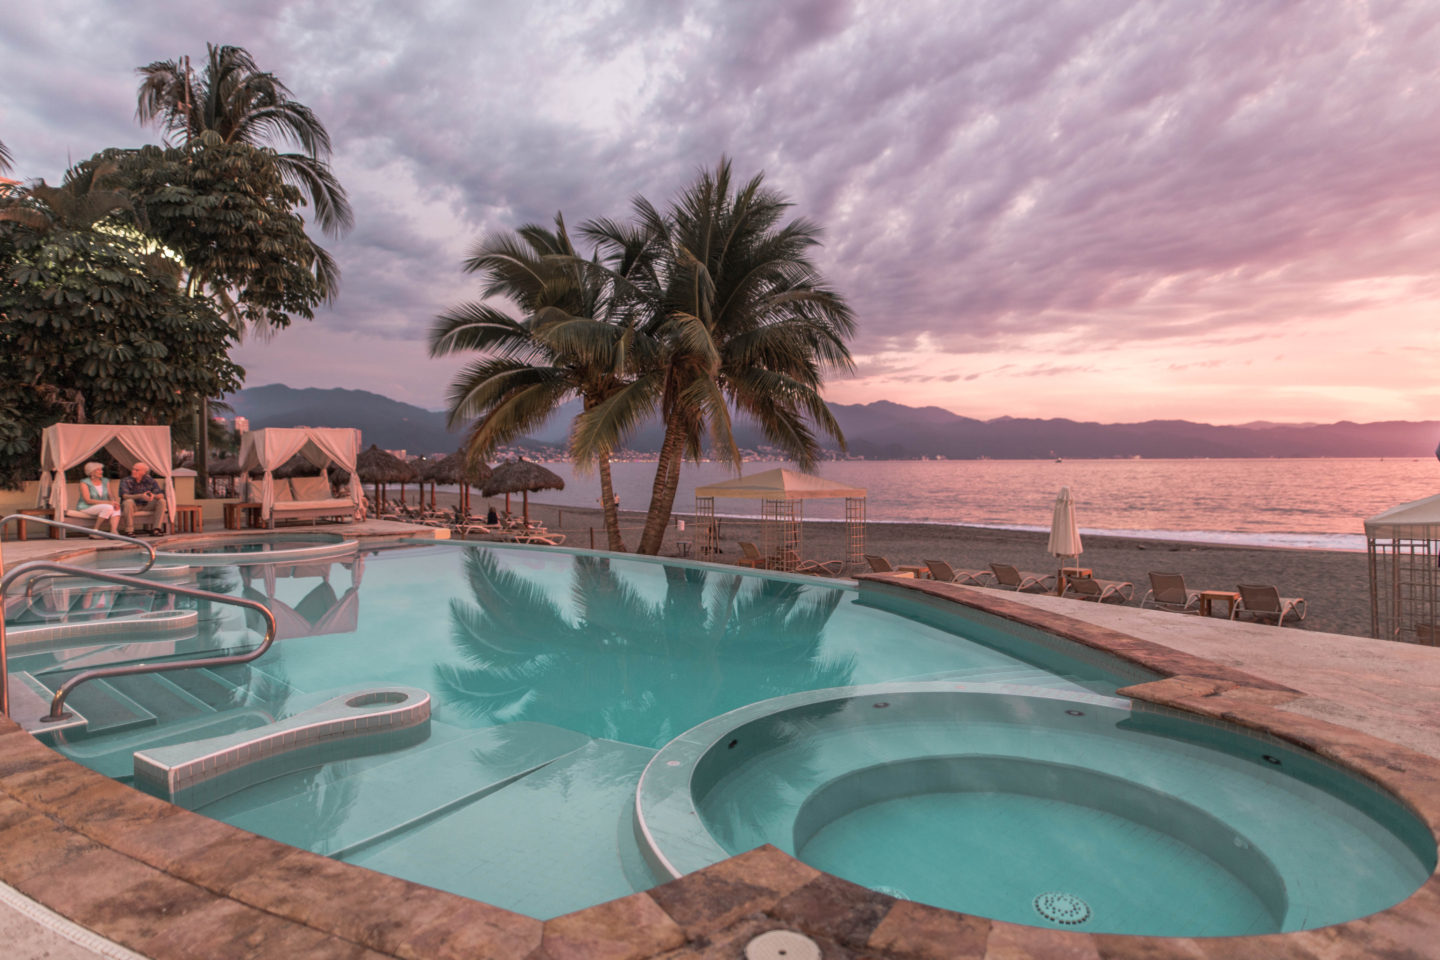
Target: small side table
[1208,598]
[35,512]
[1066,574]
[235,512]
[188,518]
[919,573]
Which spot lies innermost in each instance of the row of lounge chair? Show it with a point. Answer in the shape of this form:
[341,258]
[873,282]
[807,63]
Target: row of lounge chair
[1167,590]
[511,529]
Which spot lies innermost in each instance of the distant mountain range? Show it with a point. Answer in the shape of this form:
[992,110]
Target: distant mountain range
[882,430]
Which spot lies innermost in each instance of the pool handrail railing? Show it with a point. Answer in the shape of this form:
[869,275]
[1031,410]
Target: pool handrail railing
[57,702]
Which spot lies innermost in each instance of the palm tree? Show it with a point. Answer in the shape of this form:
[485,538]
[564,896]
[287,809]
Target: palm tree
[235,99]
[739,318]
[6,161]
[572,342]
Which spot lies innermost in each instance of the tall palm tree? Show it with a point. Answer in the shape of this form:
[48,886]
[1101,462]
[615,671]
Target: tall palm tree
[234,99]
[6,161]
[573,341]
[241,103]
[740,318]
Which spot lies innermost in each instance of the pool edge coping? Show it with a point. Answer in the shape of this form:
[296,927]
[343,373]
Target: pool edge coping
[129,866]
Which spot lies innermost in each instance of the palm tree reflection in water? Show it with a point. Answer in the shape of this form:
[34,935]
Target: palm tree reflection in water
[623,667]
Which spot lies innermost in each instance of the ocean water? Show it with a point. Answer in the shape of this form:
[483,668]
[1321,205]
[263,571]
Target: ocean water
[1319,504]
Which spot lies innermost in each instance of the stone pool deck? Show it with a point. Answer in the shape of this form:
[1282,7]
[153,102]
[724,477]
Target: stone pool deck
[167,883]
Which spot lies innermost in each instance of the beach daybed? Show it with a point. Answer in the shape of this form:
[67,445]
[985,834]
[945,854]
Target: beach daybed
[1168,591]
[1090,588]
[942,571]
[1022,580]
[309,498]
[66,445]
[1263,601]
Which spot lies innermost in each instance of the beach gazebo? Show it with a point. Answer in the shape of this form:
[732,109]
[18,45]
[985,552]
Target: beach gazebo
[782,494]
[1404,549]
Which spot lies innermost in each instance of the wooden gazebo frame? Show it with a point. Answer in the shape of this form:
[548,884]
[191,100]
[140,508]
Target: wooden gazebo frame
[1404,552]
[782,494]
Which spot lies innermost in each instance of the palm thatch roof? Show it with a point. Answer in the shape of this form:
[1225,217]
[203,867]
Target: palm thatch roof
[296,466]
[377,466]
[452,469]
[519,476]
[224,467]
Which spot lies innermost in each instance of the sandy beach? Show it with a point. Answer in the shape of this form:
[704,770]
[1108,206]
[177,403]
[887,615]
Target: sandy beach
[1335,584]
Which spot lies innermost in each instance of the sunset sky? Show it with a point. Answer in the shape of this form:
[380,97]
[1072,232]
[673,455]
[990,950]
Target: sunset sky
[1221,211]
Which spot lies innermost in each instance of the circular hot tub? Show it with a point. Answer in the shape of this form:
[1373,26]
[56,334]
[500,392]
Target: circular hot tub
[1036,806]
[247,548]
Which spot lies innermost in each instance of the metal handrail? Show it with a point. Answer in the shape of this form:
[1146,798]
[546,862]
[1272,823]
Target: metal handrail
[59,524]
[57,703]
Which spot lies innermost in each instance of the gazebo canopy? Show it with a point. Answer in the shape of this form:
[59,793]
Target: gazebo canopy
[778,484]
[1417,513]
[64,445]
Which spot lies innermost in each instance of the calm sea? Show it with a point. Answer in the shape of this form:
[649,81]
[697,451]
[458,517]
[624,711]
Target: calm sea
[1291,503]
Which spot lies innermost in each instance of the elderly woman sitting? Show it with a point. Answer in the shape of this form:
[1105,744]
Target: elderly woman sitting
[96,499]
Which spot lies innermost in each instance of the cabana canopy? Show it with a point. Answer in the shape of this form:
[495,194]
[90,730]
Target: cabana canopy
[1416,513]
[778,484]
[270,447]
[64,445]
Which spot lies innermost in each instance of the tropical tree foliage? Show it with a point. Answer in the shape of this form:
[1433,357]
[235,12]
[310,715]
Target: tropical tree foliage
[572,341]
[227,212]
[240,103]
[93,322]
[6,161]
[741,320]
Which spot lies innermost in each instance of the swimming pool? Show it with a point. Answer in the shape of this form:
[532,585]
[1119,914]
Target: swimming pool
[262,547]
[554,678]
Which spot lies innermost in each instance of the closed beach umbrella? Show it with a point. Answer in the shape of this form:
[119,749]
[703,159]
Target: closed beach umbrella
[379,467]
[521,476]
[1064,534]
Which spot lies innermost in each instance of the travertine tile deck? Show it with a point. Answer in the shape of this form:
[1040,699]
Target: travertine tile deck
[171,884]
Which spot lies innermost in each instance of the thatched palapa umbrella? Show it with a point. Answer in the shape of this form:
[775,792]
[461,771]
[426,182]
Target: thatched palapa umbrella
[452,469]
[380,468]
[521,476]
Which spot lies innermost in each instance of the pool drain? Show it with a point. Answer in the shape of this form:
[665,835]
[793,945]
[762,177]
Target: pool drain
[1063,908]
[782,945]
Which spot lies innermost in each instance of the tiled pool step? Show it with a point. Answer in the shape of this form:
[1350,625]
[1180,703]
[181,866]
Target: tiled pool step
[119,704]
[346,807]
[1015,676]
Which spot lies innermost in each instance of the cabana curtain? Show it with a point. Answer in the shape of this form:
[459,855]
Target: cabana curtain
[270,447]
[65,445]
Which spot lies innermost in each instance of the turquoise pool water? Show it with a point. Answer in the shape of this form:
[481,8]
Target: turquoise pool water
[555,676]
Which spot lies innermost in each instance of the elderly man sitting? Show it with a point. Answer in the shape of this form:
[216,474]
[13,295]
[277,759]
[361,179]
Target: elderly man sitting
[140,492]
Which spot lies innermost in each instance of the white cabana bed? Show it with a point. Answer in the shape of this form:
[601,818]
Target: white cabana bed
[1404,548]
[781,494]
[268,448]
[66,445]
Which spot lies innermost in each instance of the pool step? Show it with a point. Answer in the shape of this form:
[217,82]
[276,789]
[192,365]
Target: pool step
[1013,676]
[118,704]
[544,844]
[345,808]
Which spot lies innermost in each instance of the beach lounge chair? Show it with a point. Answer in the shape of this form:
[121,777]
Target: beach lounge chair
[1089,588]
[878,564]
[1263,601]
[751,556]
[942,571]
[1022,580]
[821,568]
[1168,591]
